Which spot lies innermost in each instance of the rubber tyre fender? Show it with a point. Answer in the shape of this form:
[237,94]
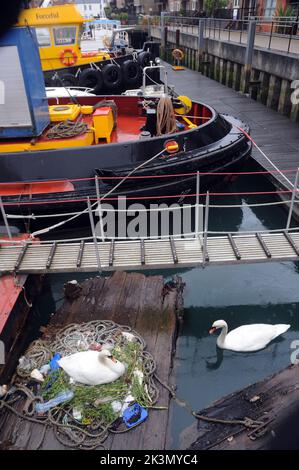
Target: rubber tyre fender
[68,79]
[112,76]
[90,78]
[48,82]
[131,72]
[144,59]
[52,82]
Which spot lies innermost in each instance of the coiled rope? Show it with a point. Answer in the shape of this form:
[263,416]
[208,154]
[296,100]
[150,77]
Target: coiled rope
[166,121]
[67,129]
[67,429]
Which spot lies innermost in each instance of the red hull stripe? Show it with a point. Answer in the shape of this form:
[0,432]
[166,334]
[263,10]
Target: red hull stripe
[44,187]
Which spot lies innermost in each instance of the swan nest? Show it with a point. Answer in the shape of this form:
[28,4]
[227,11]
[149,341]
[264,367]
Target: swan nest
[85,418]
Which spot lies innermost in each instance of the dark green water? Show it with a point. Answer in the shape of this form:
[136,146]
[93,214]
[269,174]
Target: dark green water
[257,293]
[241,294]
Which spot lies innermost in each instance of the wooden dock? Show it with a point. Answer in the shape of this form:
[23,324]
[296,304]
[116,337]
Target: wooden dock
[274,400]
[132,299]
[149,254]
[274,133]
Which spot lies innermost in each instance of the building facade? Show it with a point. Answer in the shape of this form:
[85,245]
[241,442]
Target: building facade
[91,8]
[265,8]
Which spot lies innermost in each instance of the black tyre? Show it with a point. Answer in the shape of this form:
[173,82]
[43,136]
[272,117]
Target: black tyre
[52,82]
[144,59]
[131,72]
[112,76]
[68,79]
[90,78]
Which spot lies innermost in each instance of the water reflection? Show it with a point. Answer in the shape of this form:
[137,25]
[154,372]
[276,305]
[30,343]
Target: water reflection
[239,294]
[219,358]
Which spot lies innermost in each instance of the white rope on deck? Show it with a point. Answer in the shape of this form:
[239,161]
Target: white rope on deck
[85,211]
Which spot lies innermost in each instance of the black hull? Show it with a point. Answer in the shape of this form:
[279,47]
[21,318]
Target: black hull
[216,147]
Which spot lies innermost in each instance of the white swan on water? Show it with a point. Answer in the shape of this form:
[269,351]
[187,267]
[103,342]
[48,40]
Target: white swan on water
[92,367]
[247,338]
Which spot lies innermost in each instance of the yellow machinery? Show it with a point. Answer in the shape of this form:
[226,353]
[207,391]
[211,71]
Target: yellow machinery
[103,123]
[184,108]
[63,112]
[58,30]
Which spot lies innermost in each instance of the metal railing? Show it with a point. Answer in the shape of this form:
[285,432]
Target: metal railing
[197,206]
[271,33]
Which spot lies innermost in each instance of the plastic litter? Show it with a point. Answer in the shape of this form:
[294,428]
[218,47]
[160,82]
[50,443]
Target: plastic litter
[36,375]
[54,361]
[77,414]
[3,390]
[26,364]
[129,336]
[45,369]
[60,398]
[134,415]
[139,375]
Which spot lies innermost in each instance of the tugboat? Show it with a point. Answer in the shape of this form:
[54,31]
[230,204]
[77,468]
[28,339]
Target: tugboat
[59,30]
[52,150]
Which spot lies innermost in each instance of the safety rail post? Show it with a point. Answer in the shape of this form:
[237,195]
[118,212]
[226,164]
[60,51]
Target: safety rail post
[241,32]
[293,200]
[248,56]
[197,205]
[204,248]
[163,34]
[290,40]
[271,34]
[5,218]
[200,42]
[100,208]
[95,241]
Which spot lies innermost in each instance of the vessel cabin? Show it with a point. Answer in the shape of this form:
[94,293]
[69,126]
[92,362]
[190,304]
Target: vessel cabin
[59,30]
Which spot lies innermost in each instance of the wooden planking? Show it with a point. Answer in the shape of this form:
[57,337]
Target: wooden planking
[131,299]
[134,254]
[275,134]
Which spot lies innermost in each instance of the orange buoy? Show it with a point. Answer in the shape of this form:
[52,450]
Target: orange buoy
[66,60]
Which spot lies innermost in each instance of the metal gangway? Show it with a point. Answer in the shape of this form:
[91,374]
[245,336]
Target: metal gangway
[199,248]
[33,257]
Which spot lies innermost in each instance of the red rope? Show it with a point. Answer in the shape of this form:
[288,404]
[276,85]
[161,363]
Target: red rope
[138,198]
[169,175]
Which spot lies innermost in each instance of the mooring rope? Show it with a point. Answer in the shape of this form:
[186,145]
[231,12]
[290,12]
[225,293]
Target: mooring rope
[246,422]
[67,129]
[63,222]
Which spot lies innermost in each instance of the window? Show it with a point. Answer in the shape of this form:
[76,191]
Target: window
[270,8]
[193,5]
[43,37]
[90,7]
[65,35]
[85,7]
[236,3]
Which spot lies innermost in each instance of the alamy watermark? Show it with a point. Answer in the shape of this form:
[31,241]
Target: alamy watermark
[154,221]
[295,354]
[295,94]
